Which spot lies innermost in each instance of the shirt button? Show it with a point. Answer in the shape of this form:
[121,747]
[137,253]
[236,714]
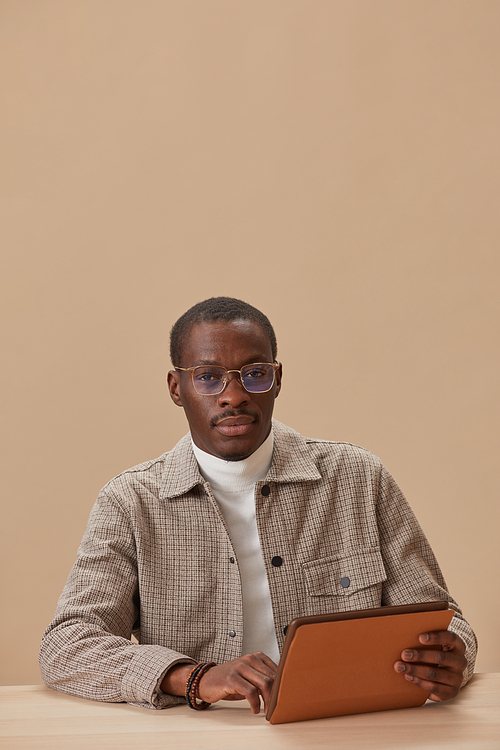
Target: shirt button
[232,633]
[345,582]
[277,561]
[231,559]
[265,490]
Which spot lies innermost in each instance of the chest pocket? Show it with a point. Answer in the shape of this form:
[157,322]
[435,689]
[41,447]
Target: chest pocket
[345,575]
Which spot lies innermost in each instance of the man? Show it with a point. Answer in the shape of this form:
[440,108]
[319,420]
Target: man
[208,552]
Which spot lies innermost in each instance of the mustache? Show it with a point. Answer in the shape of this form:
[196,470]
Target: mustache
[232,413]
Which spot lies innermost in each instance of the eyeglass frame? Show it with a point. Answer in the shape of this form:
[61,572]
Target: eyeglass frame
[274,365]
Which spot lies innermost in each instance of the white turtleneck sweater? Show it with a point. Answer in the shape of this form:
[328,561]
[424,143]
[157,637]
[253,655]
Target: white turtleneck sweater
[233,485]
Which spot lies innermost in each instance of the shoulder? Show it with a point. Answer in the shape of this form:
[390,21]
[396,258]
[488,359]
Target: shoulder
[326,455]
[158,473]
[292,440]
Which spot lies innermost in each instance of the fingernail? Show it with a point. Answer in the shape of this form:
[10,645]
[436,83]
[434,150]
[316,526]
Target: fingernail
[408,677]
[425,637]
[400,667]
[408,655]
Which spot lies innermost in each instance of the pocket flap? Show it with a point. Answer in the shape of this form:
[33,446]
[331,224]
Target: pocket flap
[344,575]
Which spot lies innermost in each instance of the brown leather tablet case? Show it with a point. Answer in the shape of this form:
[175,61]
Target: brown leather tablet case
[342,663]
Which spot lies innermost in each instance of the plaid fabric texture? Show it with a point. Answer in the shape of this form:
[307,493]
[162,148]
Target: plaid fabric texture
[155,561]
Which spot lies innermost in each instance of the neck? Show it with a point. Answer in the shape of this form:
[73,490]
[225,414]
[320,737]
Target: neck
[236,475]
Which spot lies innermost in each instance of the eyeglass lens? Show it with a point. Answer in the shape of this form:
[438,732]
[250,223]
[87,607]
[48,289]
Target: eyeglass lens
[210,379]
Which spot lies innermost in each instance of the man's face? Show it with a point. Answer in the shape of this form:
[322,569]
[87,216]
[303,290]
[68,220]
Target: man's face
[233,424]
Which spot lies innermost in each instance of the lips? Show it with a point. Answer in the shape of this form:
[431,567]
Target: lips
[232,426]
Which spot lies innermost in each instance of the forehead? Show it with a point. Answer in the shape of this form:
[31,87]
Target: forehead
[227,342]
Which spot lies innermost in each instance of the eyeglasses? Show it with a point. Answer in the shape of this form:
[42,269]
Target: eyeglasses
[210,380]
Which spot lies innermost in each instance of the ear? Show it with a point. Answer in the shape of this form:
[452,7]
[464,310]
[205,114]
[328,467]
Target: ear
[279,375]
[173,384]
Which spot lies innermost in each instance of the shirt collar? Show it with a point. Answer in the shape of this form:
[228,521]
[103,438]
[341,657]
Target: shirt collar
[291,462]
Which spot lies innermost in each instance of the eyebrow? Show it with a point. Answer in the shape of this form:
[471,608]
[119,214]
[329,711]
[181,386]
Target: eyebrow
[250,361]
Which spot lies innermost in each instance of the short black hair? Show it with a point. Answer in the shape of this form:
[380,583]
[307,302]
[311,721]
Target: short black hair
[217,308]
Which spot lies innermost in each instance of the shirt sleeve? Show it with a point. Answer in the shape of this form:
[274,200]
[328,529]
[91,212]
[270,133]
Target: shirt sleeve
[87,649]
[413,573]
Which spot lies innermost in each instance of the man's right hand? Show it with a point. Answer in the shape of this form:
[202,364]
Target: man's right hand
[250,676]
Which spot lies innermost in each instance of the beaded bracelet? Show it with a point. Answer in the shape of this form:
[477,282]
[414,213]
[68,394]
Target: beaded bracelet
[192,685]
[193,691]
[190,679]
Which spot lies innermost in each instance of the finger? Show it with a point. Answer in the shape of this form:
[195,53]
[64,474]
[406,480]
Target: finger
[444,638]
[438,691]
[237,678]
[252,693]
[244,690]
[430,674]
[448,659]
[267,661]
[262,680]
[261,662]
[228,685]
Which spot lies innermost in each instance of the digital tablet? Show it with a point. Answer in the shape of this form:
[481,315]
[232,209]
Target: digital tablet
[343,663]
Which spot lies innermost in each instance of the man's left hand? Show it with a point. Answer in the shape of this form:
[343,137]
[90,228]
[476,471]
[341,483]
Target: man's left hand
[439,667]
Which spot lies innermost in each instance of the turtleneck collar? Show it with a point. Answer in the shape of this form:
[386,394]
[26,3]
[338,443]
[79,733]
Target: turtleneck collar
[235,476]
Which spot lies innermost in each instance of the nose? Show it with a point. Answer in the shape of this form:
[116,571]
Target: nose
[233,394]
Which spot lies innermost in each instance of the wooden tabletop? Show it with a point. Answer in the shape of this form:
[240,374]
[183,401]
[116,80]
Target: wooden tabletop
[35,717]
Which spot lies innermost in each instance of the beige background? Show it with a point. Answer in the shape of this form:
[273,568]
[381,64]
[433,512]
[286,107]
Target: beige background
[333,162]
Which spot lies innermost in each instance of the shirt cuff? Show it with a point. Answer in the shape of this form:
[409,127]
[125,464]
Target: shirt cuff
[142,680]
